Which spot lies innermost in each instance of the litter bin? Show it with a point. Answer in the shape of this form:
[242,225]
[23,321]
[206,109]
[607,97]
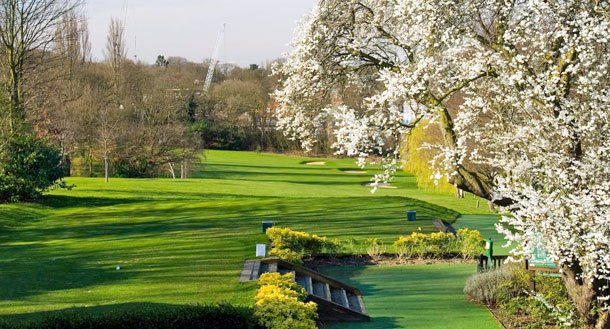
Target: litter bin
[411,215]
[267,225]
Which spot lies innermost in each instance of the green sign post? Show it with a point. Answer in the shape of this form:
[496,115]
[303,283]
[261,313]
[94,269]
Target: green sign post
[489,249]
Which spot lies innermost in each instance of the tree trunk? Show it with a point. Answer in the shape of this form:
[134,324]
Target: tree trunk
[90,161]
[584,295]
[183,169]
[16,115]
[106,165]
[171,169]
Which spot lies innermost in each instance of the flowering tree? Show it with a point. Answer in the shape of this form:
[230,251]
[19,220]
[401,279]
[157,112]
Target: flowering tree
[520,88]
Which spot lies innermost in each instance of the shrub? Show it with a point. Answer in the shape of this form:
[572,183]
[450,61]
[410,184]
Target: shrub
[279,303]
[223,316]
[471,243]
[550,304]
[350,245]
[293,245]
[374,248]
[28,167]
[440,244]
[412,245]
[468,244]
[497,286]
[507,290]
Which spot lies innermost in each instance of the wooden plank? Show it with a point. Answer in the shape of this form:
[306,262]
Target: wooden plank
[354,303]
[327,294]
[256,270]
[246,273]
[318,289]
[343,297]
[329,311]
[308,284]
[440,225]
[314,275]
[361,301]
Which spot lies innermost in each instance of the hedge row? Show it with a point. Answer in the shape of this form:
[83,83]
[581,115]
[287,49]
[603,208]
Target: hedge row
[223,316]
[292,245]
[467,243]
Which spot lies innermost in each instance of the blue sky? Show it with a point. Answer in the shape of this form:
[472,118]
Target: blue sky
[256,30]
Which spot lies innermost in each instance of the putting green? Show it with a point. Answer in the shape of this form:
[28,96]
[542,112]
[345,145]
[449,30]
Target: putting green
[415,296]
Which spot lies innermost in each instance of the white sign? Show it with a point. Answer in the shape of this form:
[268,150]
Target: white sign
[261,250]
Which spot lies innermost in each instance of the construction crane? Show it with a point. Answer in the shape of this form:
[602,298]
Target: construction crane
[214,59]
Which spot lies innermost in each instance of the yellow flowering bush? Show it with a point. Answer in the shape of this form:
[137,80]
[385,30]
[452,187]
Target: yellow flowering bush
[471,243]
[467,243]
[280,303]
[293,245]
[413,245]
[440,243]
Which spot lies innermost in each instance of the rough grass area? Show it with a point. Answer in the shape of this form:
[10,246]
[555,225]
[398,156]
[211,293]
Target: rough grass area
[415,296]
[184,241]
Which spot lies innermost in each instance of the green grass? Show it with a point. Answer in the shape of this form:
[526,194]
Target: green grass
[414,296]
[184,241]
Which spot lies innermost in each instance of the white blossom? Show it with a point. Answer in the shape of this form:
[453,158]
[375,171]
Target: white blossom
[530,88]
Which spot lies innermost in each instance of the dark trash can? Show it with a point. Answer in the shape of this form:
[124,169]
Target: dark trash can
[411,215]
[267,225]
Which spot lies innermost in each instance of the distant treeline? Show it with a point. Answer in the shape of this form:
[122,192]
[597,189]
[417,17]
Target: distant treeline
[124,118]
[63,114]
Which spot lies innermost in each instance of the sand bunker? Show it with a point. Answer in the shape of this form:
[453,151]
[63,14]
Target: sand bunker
[316,163]
[381,185]
[355,172]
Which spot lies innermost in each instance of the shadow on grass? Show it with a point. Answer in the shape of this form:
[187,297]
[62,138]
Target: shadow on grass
[221,211]
[64,201]
[71,250]
[93,311]
[32,273]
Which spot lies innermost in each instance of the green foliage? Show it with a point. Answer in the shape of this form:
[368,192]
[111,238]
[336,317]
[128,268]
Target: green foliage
[417,158]
[414,245]
[488,288]
[223,316]
[467,243]
[507,289]
[470,243]
[549,305]
[374,248]
[280,303]
[29,166]
[293,245]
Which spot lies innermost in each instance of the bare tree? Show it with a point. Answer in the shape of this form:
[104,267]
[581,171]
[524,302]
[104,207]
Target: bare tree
[85,42]
[27,27]
[116,53]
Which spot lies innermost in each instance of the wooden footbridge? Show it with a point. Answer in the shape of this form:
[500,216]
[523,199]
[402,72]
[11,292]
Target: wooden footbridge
[337,301]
